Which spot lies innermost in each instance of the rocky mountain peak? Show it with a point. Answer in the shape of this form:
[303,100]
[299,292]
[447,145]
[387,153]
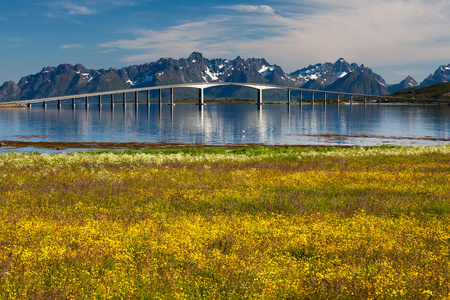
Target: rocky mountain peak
[197,57]
[79,68]
[9,89]
[239,60]
[64,68]
[411,81]
[322,76]
[406,83]
[341,75]
[444,68]
[47,70]
[442,74]
[342,68]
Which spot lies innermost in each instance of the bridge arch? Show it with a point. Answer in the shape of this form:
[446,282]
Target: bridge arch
[258,87]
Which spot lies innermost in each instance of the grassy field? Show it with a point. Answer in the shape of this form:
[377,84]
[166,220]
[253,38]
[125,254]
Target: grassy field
[251,223]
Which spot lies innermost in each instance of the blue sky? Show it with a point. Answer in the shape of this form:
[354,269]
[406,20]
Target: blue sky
[395,38]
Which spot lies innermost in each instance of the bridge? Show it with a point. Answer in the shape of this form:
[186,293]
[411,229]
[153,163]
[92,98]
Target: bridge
[110,95]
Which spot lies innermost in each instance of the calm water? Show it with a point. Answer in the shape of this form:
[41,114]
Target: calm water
[218,124]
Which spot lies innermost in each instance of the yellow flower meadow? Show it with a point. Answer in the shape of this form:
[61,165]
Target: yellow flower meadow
[364,223]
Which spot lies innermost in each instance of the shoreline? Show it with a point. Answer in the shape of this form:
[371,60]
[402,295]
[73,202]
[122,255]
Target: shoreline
[12,105]
[114,146]
[144,146]
[56,145]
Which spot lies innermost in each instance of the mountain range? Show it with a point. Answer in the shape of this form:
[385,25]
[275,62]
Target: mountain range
[340,76]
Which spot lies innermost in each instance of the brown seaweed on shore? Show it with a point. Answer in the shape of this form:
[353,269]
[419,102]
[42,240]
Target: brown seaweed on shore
[136,145]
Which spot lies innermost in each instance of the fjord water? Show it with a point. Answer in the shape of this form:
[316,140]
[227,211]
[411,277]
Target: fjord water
[219,124]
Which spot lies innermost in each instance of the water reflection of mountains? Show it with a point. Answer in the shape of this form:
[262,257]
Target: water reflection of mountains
[223,124]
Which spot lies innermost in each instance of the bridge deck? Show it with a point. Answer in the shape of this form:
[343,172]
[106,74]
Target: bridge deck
[202,86]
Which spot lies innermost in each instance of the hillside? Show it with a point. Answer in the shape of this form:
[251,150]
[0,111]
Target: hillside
[439,91]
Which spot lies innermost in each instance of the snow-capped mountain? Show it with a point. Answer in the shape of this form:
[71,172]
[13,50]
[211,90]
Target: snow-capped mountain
[326,73]
[339,76]
[197,68]
[442,74]
[407,83]
[70,80]
[336,77]
[63,80]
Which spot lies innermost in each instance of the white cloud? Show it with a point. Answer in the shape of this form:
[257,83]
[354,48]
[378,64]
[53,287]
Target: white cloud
[57,8]
[78,10]
[179,39]
[84,7]
[12,42]
[408,72]
[250,8]
[377,33]
[72,46]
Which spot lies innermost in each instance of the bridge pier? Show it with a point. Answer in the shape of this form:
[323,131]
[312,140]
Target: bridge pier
[338,98]
[148,97]
[86,101]
[124,100]
[99,101]
[200,97]
[159,97]
[59,103]
[171,97]
[73,102]
[301,98]
[112,100]
[324,99]
[365,100]
[288,96]
[136,97]
[312,98]
[44,104]
[351,100]
[259,97]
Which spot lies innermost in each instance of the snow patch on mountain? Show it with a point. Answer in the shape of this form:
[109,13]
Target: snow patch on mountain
[341,74]
[212,75]
[146,78]
[265,70]
[308,73]
[87,76]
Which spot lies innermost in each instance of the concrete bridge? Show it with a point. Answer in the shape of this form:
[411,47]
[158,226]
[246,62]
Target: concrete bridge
[110,95]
